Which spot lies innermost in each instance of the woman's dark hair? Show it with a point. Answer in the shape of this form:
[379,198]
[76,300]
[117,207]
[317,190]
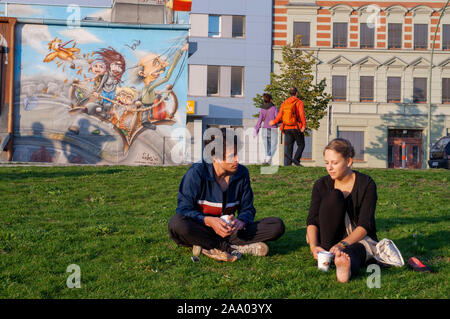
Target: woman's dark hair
[341,146]
[267,97]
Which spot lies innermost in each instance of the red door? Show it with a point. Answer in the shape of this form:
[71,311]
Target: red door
[405,145]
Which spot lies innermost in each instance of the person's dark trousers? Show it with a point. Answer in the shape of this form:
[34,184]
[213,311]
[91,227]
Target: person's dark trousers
[297,136]
[332,229]
[187,232]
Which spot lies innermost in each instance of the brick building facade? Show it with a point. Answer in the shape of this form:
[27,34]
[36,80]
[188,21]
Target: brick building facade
[376,59]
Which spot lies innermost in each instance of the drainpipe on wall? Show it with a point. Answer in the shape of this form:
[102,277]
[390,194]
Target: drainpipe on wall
[429,87]
[10,80]
[165,12]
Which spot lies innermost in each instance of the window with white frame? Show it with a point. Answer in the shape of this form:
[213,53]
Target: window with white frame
[340,34]
[213,80]
[367,36]
[214,26]
[237,80]
[445,90]
[216,80]
[420,36]
[302,29]
[420,90]
[238,27]
[307,151]
[394,36]
[339,88]
[446,37]
[226,26]
[366,89]
[356,138]
[394,89]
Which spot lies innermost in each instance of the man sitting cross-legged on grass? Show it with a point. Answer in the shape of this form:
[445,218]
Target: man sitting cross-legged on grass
[211,190]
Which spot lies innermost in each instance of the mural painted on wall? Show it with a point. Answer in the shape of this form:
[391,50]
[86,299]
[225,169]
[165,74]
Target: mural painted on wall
[99,95]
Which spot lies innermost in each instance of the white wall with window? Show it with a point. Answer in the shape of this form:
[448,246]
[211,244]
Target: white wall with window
[197,80]
[339,88]
[302,21]
[367,28]
[216,80]
[356,137]
[421,27]
[217,26]
[302,29]
[199,25]
[395,18]
[340,24]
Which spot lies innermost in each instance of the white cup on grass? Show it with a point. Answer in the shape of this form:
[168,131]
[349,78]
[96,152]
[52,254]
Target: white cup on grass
[324,260]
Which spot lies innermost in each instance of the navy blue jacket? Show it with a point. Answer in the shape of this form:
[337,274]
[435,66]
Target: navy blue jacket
[200,195]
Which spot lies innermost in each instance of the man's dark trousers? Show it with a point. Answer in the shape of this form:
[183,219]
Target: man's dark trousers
[294,135]
[186,231]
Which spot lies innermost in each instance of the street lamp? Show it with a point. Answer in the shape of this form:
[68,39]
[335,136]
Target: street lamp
[429,84]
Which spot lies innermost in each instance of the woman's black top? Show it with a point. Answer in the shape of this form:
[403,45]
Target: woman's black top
[360,203]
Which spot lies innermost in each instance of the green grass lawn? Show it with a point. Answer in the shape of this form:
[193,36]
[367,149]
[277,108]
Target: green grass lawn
[112,222]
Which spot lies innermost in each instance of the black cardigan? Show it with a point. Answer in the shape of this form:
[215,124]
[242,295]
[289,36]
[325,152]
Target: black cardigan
[361,202]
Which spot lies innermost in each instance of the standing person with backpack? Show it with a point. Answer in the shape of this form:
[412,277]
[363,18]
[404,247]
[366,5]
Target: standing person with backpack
[269,133]
[292,114]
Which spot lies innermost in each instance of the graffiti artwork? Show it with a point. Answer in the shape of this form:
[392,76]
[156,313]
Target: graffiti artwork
[100,95]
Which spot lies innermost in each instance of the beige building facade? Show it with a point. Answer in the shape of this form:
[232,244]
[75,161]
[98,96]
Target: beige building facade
[375,57]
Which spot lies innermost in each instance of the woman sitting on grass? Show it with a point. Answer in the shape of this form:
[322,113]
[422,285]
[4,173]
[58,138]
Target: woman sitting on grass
[342,211]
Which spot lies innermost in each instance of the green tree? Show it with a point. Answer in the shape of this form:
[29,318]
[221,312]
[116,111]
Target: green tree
[296,71]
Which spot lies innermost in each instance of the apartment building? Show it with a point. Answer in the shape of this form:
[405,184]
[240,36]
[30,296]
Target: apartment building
[229,61]
[376,58]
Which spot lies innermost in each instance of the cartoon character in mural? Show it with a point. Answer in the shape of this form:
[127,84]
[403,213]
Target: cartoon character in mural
[108,68]
[61,52]
[129,110]
[123,110]
[106,91]
[98,68]
[81,91]
[126,114]
[149,70]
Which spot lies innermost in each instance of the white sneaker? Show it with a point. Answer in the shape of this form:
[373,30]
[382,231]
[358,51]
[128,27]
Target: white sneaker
[255,249]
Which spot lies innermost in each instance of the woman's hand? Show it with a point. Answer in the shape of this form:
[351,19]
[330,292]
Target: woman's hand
[336,248]
[315,250]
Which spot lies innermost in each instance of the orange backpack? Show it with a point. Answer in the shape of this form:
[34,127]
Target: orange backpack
[289,113]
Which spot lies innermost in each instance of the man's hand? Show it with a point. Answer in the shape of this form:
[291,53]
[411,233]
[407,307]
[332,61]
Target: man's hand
[315,250]
[271,123]
[303,129]
[236,224]
[219,226]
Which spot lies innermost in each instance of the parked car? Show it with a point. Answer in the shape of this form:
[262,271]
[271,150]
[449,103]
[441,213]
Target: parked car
[440,153]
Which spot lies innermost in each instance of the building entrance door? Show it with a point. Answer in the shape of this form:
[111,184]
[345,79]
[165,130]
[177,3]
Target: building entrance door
[404,148]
